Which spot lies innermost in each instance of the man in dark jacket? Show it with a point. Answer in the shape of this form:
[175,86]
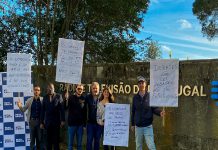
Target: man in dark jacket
[52,117]
[142,116]
[93,129]
[76,117]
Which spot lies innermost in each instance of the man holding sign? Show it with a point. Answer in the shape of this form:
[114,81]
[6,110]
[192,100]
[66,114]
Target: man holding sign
[76,117]
[142,116]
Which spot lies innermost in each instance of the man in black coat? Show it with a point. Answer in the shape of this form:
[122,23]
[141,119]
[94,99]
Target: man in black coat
[52,116]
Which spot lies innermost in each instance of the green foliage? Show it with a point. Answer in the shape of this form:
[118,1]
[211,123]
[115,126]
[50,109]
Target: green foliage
[153,51]
[106,26]
[15,37]
[207,13]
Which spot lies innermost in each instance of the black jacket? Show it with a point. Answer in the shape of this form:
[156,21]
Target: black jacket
[92,108]
[52,112]
[142,113]
[76,110]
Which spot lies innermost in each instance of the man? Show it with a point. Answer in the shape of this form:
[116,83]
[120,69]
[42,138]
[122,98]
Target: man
[64,131]
[52,117]
[142,116]
[76,117]
[93,129]
[33,105]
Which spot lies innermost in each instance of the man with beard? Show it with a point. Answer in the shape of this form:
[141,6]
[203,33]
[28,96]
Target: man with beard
[76,117]
[33,105]
[93,129]
[52,116]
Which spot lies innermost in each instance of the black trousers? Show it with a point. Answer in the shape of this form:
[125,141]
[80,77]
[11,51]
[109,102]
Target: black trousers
[53,133]
[106,147]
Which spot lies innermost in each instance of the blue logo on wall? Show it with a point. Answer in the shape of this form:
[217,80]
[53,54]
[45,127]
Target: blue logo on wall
[8,128]
[214,91]
[8,103]
[20,140]
[18,115]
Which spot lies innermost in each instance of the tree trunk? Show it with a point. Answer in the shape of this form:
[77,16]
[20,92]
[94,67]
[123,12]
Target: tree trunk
[39,54]
[53,51]
[46,20]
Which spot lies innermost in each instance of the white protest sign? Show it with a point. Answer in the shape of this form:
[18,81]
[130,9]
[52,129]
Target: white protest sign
[19,72]
[164,77]
[69,61]
[116,126]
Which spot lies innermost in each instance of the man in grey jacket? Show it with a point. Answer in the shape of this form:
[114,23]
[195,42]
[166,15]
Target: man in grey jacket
[33,107]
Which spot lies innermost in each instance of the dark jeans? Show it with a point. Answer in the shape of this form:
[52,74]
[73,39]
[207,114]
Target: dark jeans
[94,132]
[72,130]
[35,135]
[43,142]
[53,133]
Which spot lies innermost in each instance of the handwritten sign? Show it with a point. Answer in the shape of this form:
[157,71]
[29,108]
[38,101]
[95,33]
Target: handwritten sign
[116,127]
[69,61]
[19,72]
[164,77]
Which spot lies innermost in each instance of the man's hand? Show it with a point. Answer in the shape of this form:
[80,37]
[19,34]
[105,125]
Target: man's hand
[162,113]
[19,104]
[133,128]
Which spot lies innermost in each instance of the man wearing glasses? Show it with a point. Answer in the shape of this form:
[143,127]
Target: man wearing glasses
[76,117]
[33,105]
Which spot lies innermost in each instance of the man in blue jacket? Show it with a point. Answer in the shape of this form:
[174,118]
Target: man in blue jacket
[93,129]
[142,116]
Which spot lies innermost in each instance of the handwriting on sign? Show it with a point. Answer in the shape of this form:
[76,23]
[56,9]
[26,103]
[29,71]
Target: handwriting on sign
[162,67]
[164,82]
[116,129]
[19,72]
[69,61]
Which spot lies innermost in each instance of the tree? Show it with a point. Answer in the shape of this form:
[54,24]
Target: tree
[14,37]
[207,13]
[106,26]
[153,51]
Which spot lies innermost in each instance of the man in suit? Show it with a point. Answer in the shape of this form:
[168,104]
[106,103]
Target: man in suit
[52,116]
